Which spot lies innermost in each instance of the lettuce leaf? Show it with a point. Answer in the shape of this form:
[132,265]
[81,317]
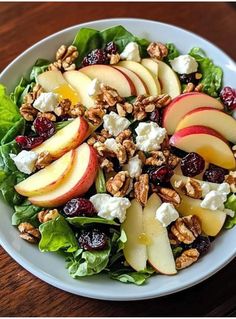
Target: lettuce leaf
[17,129]
[100,183]
[39,67]
[133,277]
[81,221]
[230,204]
[56,234]
[17,95]
[212,75]
[26,212]
[172,52]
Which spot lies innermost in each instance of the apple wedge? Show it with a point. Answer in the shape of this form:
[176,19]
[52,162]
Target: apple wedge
[48,178]
[159,251]
[152,67]
[143,73]
[213,118]
[76,182]
[140,87]
[80,82]
[135,252]
[183,104]
[66,139]
[112,77]
[206,142]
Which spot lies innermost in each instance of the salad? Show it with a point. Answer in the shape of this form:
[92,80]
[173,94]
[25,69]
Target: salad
[119,155]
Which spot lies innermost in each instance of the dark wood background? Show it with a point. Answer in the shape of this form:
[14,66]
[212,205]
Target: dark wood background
[23,24]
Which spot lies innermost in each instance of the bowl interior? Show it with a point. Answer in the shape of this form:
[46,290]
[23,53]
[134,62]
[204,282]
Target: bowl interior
[51,267]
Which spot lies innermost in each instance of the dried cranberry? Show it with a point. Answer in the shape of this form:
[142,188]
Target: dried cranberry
[188,78]
[92,240]
[44,127]
[228,97]
[192,164]
[160,175]
[110,48]
[155,116]
[97,56]
[79,207]
[27,143]
[215,174]
[202,244]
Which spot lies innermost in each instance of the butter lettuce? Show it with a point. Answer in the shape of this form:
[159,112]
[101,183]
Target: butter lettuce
[100,183]
[26,212]
[172,52]
[81,221]
[231,204]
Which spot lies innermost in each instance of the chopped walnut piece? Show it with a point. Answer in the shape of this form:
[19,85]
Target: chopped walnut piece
[156,158]
[142,157]
[186,229]
[157,50]
[29,233]
[103,150]
[123,109]
[120,184]
[43,160]
[190,87]
[65,56]
[95,114]
[169,195]
[199,87]
[141,188]
[124,135]
[187,258]
[110,95]
[173,161]
[48,115]
[231,180]
[101,137]
[192,188]
[27,110]
[107,165]
[77,110]
[121,154]
[114,58]
[130,148]
[63,108]
[48,214]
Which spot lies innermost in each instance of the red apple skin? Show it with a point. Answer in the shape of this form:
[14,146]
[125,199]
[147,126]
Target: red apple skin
[82,186]
[202,108]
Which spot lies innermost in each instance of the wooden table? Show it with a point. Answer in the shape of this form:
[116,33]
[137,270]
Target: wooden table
[23,24]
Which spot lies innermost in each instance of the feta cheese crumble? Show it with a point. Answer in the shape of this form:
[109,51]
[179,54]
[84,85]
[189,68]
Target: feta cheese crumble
[111,145]
[46,102]
[131,52]
[184,64]
[214,200]
[25,161]
[115,123]
[149,136]
[229,212]
[109,207]
[166,214]
[205,189]
[94,88]
[134,167]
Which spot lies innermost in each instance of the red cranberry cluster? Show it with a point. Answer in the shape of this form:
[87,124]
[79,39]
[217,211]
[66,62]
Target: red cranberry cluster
[100,56]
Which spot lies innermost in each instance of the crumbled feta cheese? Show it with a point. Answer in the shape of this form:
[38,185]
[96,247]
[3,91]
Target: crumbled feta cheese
[134,167]
[205,189]
[25,161]
[115,123]
[109,207]
[214,200]
[94,88]
[224,188]
[111,144]
[184,64]
[166,214]
[131,52]
[149,136]
[46,102]
[229,212]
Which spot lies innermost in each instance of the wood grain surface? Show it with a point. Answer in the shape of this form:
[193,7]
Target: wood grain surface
[23,24]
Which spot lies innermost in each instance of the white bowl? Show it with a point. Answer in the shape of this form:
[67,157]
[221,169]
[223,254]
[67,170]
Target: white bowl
[51,267]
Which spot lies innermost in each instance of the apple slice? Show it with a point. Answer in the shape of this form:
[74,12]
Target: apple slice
[48,178]
[213,118]
[69,137]
[80,82]
[143,73]
[76,182]
[112,77]
[159,251]
[183,104]
[152,67]
[206,142]
[135,251]
[140,87]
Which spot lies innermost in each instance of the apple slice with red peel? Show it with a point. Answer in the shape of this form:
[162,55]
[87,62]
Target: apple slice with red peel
[140,87]
[207,142]
[47,178]
[69,137]
[183,104]
[76,182]
[135,251]
[213,118]
[112,77]
[159,251]
[144,75]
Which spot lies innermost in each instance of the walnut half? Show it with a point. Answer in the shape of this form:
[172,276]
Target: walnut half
[186,229]
[141,188]
[29,232]
[120,184]
[187,258]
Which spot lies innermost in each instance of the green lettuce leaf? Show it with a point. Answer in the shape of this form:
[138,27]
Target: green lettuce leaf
[39,67]
[172,52]
[177,251]
[17,95]
[212,75]
[17,129]
[100,182]
[56,234]
[133,277]
[230,204]
[60,125]
[81,221]
[26,212]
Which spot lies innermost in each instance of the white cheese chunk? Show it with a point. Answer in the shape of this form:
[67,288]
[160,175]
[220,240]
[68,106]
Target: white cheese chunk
[166,214]
[94,88]
[115,123]
[46,102]
[110,207]
[25,161]
[205,188]
[229,212]
[149,136]
[184,64]
[131,52]
[111,145]
[134,167]
[214,200]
